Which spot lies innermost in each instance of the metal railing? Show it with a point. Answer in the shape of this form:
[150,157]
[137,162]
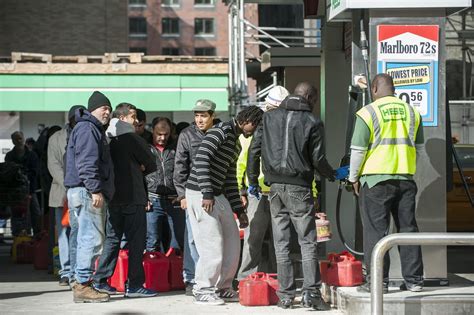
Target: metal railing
[381,248]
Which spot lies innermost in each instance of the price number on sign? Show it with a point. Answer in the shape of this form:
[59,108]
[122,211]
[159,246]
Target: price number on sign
[417,98]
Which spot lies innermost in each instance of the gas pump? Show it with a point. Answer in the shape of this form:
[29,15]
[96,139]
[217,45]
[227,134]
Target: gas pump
[358,97]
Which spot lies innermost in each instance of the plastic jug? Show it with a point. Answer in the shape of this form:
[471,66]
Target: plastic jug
[254,290]
[176,270]
[40,258]
[273,287]
[120,275]
[157,269]
[16,241]
[341,270]
[323,228]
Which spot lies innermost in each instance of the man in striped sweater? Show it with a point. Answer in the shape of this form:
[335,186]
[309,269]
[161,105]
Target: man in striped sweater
[212,195]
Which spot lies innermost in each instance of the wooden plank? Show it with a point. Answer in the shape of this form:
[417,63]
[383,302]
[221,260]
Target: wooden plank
[108,68]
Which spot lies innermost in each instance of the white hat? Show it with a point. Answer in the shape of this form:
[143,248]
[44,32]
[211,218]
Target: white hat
[276,95]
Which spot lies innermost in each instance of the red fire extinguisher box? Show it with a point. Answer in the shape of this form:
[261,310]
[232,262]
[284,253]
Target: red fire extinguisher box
[341,270]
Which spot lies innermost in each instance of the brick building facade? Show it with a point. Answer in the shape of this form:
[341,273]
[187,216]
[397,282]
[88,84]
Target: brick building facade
[63,27]
[181,27]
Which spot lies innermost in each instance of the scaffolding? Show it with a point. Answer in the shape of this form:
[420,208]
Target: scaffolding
[243,34]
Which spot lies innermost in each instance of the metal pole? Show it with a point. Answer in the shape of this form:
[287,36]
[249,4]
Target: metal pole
[243,68]
[265,33]
[381,248]
[236,47]
[231,59]
[466,111]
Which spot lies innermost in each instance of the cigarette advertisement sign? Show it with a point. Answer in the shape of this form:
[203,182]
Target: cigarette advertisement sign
[409,54]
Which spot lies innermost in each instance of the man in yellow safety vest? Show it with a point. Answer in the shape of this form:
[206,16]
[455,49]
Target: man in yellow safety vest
[387,135]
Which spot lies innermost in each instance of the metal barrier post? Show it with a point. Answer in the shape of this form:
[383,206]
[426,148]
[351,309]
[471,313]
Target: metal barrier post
[376,272]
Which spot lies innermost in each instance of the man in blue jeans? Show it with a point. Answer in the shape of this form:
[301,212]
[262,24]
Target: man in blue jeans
[164,210]
[186,149]
[57,194]
[90,186]
[292,150]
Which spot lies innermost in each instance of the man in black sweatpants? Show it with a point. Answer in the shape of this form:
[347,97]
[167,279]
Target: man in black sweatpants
[132,160]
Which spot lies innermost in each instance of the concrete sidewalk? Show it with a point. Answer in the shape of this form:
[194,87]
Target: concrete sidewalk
[25,290]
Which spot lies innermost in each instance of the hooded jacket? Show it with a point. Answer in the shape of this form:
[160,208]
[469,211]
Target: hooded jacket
[293,144]
[129,152]
[88,161]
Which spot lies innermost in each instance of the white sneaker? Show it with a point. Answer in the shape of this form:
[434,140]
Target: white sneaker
[208,299]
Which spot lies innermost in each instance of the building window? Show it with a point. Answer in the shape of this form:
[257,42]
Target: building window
[138,50]
[170,26]
[170,51]
[204,27]
[205,51]
[137,27]
[170,3]
[137,3]
[203,3]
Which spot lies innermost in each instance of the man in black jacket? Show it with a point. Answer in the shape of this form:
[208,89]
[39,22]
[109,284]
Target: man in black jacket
[132,160]
[292,150]
[186,149]
[164,212]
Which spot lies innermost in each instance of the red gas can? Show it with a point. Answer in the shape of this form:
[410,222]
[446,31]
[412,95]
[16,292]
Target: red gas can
[341,270]
[120,275]
[254,290]
[273,287]
[157,268]
[176,270]
[40,258]
[25,252]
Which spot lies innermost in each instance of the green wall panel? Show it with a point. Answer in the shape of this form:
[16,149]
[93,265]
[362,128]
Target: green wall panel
[54,92]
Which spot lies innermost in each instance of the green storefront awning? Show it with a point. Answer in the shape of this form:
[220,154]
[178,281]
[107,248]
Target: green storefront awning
[150,92]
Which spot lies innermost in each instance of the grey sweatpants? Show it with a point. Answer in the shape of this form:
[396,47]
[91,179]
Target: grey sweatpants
[217,240]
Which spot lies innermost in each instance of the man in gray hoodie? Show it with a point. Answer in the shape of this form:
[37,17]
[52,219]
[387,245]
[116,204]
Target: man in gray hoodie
[132,161]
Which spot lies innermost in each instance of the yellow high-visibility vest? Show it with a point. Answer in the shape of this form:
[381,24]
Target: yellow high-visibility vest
[393,126]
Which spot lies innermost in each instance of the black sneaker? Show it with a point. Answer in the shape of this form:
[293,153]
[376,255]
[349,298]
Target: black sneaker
[229,295]
[411,287]
[365,288]
[104,287]
[312,299]
[64,281]
[285,303]
[189,289]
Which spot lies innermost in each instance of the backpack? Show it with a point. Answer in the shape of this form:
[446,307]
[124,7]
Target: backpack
[14,184]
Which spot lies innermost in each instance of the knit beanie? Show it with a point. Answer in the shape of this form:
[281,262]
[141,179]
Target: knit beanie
[275,96]
[97,100]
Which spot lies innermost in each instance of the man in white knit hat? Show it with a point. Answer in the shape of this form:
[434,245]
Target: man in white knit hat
[258,209]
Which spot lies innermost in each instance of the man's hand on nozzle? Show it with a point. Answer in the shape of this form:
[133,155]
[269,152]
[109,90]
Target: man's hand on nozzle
[254,190]
[243,220]
[342,172]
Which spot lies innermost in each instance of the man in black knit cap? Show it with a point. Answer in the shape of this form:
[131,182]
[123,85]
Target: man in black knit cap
[89,181]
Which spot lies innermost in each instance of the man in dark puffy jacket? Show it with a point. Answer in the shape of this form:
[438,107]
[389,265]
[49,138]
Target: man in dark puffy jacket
[89,181]
[292,150]
[186,149]
[132,160]
[164,210]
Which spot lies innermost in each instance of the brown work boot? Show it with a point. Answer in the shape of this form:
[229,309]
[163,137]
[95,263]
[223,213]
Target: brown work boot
[85,293]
